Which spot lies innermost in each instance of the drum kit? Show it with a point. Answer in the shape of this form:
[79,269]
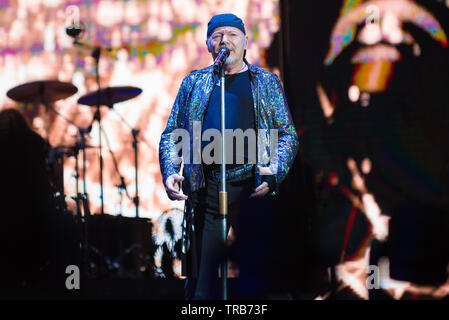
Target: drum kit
[45,93]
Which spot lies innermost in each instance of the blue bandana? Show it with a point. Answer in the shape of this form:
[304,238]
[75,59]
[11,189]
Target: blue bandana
[225,20]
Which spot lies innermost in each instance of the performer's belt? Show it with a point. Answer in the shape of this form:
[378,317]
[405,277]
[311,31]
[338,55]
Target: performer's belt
[242,172]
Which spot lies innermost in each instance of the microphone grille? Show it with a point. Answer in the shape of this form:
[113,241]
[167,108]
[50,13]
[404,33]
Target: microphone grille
[224,50]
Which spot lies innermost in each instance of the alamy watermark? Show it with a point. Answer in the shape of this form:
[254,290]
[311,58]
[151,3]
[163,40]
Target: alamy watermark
[262,146]
[72,17]
[72,282]
[373,14]
[373,278]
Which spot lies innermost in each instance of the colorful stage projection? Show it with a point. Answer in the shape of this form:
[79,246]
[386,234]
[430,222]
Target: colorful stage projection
[145,45]
[383,127]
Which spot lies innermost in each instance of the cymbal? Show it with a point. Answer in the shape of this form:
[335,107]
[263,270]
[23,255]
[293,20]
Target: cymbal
[42,91]
[109,96]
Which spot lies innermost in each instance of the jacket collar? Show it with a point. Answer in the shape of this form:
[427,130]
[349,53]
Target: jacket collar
[253,70]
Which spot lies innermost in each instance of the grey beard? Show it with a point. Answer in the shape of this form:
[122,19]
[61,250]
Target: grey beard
[230,60]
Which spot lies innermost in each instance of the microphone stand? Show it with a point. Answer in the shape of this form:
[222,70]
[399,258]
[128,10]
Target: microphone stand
[223,195]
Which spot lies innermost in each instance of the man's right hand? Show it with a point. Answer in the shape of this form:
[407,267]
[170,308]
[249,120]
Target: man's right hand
[172,187]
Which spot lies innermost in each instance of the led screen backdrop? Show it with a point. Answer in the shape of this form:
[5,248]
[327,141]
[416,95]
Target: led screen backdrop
[368,82]
[151,45]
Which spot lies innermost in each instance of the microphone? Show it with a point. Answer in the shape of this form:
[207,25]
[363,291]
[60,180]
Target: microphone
[75,29]
[223,54]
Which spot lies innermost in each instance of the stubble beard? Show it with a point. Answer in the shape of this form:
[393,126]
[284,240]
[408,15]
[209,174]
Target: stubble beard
[230,60]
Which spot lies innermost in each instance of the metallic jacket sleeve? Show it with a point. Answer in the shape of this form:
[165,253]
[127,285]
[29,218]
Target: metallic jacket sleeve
[288,141]
[167,152]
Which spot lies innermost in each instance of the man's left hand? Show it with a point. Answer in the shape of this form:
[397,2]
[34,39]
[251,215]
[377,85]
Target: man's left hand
[263,188]
[260,191]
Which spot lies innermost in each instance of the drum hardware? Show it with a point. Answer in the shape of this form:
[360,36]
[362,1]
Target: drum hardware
[108,97]
[46,92]
[135,133]
[40,92]
[122,186]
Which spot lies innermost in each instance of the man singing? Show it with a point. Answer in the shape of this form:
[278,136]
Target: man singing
[255,102]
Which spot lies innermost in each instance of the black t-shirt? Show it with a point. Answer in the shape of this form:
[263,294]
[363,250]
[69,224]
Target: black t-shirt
[239,114]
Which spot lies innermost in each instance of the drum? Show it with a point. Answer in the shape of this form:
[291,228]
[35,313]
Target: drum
[120,247]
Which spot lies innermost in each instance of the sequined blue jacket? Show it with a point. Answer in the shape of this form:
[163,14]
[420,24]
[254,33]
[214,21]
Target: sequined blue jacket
[272,112]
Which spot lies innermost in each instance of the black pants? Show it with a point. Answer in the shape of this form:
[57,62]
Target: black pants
[251,251]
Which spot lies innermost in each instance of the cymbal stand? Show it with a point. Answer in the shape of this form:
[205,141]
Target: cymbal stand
[77,176]
[122,185]
[56,156]
[135,147]
[75,33]
[82,218]
[84,199]
[135,133]
[82,221]
[62,206]
[79,146]
[96,53]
